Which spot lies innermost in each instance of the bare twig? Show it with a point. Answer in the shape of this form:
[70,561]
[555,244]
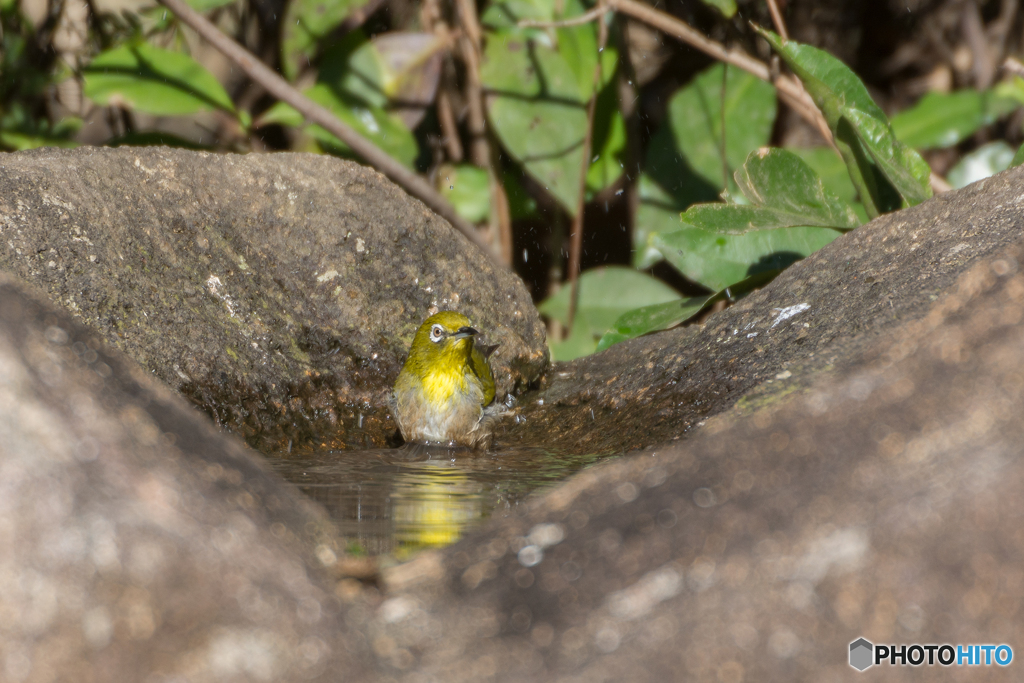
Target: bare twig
[576,237]
[314,113]
[938,183]
[1014,66]
[983,62]
[789,87]
[482,150]
[780,25]
[448,128]
[584,18]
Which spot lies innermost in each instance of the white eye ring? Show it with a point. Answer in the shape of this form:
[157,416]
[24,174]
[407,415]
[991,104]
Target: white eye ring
[436,333]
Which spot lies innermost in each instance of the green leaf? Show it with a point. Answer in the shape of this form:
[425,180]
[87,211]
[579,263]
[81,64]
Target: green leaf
[354,68]
[885,172]
[306,23]
[943,119]
[904,168]
[1018,158]
[983,162]
[398,71]
[695,117]
[581,341]
[831,168]
[726,7]
[780,181]
[782,191]
[370,122]
[604,295]
[20,141]
[652,318]
[203,6]
[717,261]
[154,138]
[538,92]
[683,161]
[153,80]
[467,187]
[663,316]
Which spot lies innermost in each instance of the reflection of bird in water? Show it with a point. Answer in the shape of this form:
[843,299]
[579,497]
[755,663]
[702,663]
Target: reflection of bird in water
[433,503]
[399,500]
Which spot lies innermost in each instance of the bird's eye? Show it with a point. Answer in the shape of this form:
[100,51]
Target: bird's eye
[436,333]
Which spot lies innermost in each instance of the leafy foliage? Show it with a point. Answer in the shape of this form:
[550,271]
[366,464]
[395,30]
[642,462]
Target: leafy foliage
[713,201]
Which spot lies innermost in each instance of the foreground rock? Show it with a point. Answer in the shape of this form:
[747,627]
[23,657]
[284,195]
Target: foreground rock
[278,292]
[886,503]
[139,543]
[814,316]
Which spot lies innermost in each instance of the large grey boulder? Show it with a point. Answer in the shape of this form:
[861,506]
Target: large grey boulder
[138,541]
[278,292]
[885,501]
[814,316]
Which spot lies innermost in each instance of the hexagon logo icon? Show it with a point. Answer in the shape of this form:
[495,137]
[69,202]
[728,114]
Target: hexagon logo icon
[861,654]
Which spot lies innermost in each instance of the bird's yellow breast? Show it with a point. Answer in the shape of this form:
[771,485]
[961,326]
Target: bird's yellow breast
[442,386]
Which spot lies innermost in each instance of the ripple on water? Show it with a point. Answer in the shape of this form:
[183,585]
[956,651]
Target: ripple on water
[401,500]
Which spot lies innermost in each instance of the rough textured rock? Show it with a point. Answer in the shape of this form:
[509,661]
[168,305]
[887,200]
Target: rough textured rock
[139,542]
[815,315]
[885,502]
[279,292]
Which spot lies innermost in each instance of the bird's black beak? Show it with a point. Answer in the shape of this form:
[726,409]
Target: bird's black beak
[464,332]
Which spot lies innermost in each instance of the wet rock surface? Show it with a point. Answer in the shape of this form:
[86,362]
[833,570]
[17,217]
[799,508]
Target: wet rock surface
[139,542]
[278,292]
[883,502]
[814,317]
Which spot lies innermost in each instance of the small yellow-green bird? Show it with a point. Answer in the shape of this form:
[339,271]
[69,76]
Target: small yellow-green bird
[445,388]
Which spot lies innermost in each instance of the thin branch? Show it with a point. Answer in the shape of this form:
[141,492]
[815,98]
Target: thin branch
[314,113]
[576,237]
[483,152]
[938,183]
[584,18]
[1014,66]
[448,128]
[789,88]
[780,25]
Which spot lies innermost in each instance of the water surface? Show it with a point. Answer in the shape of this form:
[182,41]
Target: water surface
[397,501]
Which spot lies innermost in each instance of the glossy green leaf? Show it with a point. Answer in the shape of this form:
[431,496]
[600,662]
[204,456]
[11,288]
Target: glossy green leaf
[581,342]
[695,117]
[604,295]
[153,80]
[718,261]
[539,91]
[19,141]
[306,23]
[467,187]
[904,168]
[983,162]
[1018,158]
[885,172]
[669,184]
[652,318]
[207,5]
[944,119]
[831,168]
[372,123]
[779,180]
[354,68]
[782,192]
[663,316]
[726,7]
